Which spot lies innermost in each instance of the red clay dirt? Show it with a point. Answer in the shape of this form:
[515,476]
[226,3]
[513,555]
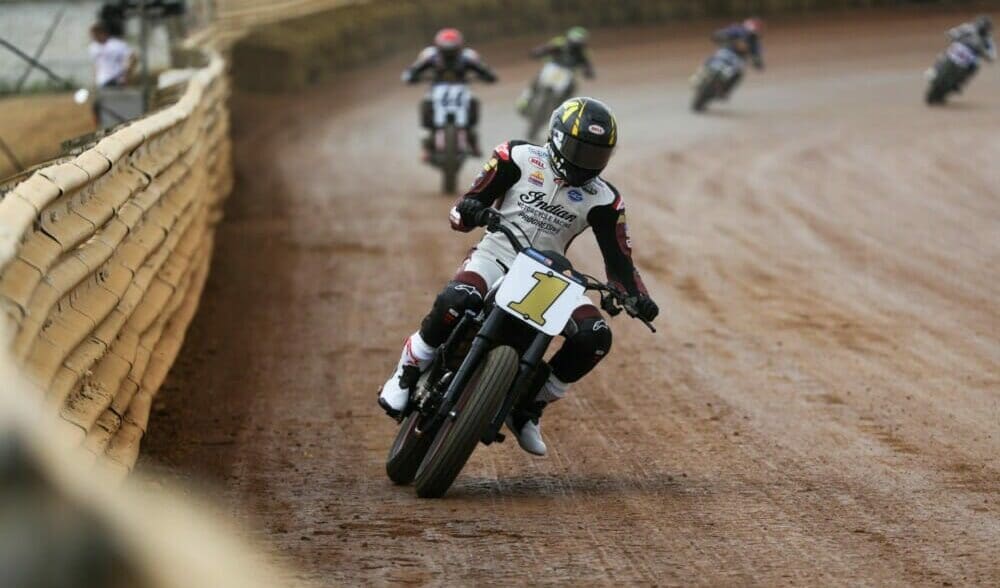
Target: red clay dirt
[820,406]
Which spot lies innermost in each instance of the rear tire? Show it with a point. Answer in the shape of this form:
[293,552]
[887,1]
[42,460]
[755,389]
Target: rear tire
[457,439]
[407,451]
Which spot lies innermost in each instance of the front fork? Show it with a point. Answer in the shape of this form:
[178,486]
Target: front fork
[527,372]
[484,342]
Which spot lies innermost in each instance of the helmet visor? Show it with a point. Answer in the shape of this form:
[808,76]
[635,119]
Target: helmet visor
[581,154]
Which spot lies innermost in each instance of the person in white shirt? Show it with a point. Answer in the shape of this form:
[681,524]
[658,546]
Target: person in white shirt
[113,58]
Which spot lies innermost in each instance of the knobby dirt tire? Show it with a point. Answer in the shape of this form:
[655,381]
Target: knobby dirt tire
[457,439]
[407,451]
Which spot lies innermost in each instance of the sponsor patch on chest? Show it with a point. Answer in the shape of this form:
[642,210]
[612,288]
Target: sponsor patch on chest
[536,178]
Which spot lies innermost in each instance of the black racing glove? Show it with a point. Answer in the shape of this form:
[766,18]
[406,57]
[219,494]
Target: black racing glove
[646,308]
[473,213]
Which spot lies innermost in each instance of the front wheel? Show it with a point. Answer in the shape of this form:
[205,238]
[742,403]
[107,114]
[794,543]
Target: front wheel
[705,91]
[450,160]
[540,113]
[407,451]
[457,438]
[946,80]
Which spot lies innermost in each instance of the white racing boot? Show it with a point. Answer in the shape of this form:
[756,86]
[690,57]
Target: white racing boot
[392,396]
[523,421]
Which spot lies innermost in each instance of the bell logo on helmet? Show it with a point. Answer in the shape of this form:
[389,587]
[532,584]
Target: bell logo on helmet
[596,129]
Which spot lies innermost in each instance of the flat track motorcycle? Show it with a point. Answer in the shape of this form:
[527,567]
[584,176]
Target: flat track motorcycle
[490,360]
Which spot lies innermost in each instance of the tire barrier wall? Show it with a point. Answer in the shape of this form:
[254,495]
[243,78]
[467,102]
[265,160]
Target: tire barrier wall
[302,51]
[102,262]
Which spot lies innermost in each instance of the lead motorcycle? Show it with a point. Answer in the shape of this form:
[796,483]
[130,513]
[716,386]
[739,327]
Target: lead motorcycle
[950,72]
[449,114]
[715,78]
[492,359]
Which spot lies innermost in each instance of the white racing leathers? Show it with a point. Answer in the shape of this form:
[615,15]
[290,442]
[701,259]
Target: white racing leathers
[519,182]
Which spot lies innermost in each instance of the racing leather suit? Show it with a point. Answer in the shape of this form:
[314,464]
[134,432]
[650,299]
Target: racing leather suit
[742,41]
[447,68]
[519,183]
[981,45]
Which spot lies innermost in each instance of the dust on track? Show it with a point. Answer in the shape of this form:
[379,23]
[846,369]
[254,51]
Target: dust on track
[821,404]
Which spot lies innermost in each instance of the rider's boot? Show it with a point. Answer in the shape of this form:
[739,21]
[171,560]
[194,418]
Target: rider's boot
[524,419]
[394,395]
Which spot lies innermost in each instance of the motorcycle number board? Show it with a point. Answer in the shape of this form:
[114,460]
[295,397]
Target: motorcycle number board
[538,295]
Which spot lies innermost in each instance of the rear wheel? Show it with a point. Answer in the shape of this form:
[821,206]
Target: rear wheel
[457,438]
[407,451]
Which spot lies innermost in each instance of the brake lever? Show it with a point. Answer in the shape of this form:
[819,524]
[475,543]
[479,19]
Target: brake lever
[633,312]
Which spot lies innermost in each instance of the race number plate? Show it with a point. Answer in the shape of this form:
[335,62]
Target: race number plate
[556,77]
[538,295]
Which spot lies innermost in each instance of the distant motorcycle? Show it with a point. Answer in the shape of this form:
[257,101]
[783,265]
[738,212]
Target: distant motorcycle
[449,118]
[553,86]
[953,69]
[716,77]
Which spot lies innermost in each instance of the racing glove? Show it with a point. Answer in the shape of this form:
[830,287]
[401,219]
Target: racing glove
[473,212]
[647,308]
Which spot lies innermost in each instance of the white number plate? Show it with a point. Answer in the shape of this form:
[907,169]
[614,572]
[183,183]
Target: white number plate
[556,77]
[539,296]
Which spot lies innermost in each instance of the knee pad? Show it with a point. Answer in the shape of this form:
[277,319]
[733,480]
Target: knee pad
[588,341]
[463,293]
[593,336]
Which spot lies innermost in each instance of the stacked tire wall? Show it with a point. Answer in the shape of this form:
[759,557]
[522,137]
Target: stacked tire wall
[102,261]
[302,51]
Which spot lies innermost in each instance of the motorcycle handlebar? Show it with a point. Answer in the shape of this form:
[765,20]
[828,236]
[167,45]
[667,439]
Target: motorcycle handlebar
[613,299]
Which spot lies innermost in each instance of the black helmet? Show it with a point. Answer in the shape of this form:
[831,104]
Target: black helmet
[582,137]
[984,24]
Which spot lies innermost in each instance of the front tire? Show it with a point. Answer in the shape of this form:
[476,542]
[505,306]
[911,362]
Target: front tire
[449,167]
[457,439]
[543,107]
[705,92]
[407,451]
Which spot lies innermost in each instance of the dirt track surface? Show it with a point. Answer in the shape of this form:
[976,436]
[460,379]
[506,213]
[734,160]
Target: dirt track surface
[821,405]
